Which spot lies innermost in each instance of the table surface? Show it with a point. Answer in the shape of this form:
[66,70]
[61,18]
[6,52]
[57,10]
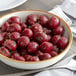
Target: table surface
[45,5]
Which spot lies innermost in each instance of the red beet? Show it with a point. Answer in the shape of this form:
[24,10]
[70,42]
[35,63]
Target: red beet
[20,58]
[41,37]
[15,35]
[10,44]
[47,31]
[32,47]
[14,27]
[43,20]
[55,39]
[27,32]
[4,27]
[58,31]
[45,56]
[23,41]
[35,58]
[15,55]
[1,39]
[36,28]
[23,25]
[62,43]
[53,53]
[4,51]
[27,57]
[53,22]
[14,19]
[46,47]
[31,19]
[38,53]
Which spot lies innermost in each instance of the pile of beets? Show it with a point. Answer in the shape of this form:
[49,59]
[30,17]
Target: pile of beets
[36,39]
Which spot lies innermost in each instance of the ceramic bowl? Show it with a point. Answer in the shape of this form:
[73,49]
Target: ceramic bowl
[40,64]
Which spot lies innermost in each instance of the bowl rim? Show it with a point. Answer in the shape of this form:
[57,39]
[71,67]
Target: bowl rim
[30,62]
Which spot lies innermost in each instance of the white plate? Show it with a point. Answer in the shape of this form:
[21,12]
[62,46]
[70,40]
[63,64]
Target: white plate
[9,4]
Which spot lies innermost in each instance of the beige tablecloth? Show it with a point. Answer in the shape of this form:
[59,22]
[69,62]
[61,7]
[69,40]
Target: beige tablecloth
[45,5]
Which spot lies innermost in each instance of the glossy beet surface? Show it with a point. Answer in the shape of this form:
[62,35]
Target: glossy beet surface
[43,20]
[55,39]
[4,26]
[58,31]
[38,53]
[41,37]
[14,19]
[45,56]
[23,25]
[27,32]
[14,28]
[62,43]
[53,22]
[36,28]
[4,51]
[31,19]
[23,41]
[46,47]
[10,44]
[36,38]
[34,58]
[32,47]
[15,36]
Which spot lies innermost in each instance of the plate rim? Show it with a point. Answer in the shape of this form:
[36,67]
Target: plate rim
[20,3]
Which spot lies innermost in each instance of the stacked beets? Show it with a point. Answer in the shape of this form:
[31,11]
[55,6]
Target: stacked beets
[38,38]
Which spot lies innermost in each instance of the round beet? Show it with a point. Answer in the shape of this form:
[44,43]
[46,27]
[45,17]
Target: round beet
[23,25]
[45,56]
[38,53]
[27,57]
[36,28]
[10,44]
[14,19]
[43,20]
[46,31]
[41,37]
[32,47]
[15,55]
[46,47]
[15,35]
[55,39]
[62,43]
[4,27]
[34,58]
[53,22]
[14,27]
[53,53]
[1,39]
[23,41]
[31,19]
[20,58]
[27,32]
[58,31]
[4,51]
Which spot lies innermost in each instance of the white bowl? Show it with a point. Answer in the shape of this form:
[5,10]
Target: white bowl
[40,64]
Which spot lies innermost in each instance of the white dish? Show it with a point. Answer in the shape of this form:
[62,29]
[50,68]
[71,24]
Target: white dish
[9,4]
[40,64]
